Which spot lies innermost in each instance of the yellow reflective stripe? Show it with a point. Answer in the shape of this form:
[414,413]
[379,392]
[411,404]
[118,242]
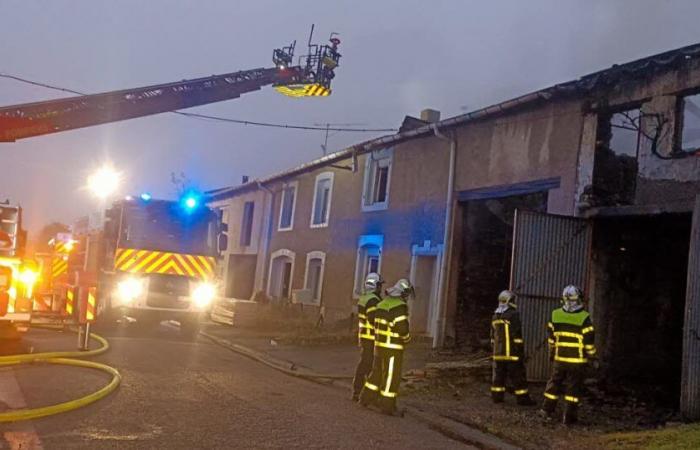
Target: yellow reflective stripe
[592,351]
[521,392]
[569,344]
[388,394]
[518,341]
[387,333]
[371,309]
[398,319]
[571,399]
[571,360]
[505,358]
[361,316]
[568,334]
[551,396]
[550,340]
[369,337]
[382,321]
[497,389]
[371,387]
[587,330]
[500,321]
[389,377]
[506,327]
[388,345]
[590,347]
[550,325]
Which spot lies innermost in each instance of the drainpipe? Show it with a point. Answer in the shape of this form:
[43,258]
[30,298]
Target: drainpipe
[267,231]
[439,337]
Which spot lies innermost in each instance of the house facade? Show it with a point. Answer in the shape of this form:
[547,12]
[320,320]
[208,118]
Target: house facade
[590,182]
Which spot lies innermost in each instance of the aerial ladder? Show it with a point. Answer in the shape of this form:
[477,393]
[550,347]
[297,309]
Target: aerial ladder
[311,76]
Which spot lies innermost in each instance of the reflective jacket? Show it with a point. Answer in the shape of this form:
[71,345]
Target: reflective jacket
[571,336]
[366,308]
[507,335]
[391,324]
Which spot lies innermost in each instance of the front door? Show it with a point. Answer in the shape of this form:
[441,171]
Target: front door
[425,291]
[549,253]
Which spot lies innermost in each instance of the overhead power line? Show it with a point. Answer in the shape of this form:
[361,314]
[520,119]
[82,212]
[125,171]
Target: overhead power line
[216,118]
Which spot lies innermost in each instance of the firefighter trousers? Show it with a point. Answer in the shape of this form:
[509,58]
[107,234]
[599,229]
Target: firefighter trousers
[382,385]
[566,380]
[364,366]
[513,370]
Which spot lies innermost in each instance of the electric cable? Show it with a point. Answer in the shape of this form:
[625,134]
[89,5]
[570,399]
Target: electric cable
[215,118]
[66,358]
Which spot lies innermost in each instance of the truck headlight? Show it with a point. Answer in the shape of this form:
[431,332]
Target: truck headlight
[129,289]
[28,277]
[203,294]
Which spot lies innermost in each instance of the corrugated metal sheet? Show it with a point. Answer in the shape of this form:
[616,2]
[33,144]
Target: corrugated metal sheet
[690,378]
[549,252]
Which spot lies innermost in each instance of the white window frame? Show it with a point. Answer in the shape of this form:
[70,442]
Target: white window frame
[310,256]
[295,186]
[366,240]
[319,177]
[370,173]
[274,255]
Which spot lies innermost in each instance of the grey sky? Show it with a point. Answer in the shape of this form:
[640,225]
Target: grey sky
[398,58]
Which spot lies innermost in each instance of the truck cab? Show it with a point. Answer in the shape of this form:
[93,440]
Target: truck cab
[161,260]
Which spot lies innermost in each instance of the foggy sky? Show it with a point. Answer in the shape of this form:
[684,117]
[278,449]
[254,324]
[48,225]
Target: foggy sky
[398,58]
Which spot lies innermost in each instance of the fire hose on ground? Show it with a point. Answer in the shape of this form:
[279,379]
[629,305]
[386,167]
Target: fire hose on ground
[66,358]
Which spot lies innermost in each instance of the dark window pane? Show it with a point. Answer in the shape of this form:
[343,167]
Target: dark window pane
[690,137]
[624,128]
[287,207]
[381,179]
[247,224]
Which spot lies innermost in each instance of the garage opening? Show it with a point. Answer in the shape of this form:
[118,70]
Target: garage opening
[639,270]
[485,261]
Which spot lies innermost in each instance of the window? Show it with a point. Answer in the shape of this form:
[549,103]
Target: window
[624,132]
[322,200]
[690,123]
[247,224]
[313,279]
[279,282]
[287,206]
[375,193]
[369,259]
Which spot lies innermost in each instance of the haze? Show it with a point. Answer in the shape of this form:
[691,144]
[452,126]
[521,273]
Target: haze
[398,58]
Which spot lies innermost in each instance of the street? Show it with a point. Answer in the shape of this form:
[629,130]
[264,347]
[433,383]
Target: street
[181,394]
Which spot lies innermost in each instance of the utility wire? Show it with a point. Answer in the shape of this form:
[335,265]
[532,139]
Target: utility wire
[215,118]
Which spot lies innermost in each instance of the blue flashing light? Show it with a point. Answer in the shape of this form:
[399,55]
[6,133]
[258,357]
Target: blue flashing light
[146,196]
[191,202]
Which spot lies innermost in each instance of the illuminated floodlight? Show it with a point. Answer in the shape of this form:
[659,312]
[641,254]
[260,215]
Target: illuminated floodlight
[104,182]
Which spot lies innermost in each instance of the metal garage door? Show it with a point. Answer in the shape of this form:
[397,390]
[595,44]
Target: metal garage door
[549,252]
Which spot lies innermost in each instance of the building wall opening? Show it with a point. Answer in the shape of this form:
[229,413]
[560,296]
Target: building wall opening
[485,260]
[639,273]
[240,277]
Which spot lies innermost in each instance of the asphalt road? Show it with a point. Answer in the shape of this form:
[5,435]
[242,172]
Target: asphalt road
[179,393]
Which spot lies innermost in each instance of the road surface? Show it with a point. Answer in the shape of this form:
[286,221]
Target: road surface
[179,393]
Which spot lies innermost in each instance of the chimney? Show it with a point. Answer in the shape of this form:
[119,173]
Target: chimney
[430,115]
[244,179]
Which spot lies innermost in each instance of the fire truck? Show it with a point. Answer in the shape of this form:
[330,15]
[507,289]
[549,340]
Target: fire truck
[155,260]
[18,275]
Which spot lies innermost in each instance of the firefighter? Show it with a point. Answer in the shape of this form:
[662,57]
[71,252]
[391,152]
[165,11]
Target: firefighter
[571,348]
[366,308]
[391,334]
[508,354]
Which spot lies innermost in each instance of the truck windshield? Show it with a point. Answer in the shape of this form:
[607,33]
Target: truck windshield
[162,225]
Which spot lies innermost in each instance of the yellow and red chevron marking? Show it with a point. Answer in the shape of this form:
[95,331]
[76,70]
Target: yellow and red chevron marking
[303,90]
[69,301]
[64,247]
[90,306]
[59,266]
[133,260]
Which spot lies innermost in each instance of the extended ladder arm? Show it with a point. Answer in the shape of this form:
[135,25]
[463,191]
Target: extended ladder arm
[36,119]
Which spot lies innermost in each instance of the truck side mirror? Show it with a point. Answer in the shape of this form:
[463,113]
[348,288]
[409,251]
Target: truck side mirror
[222,244]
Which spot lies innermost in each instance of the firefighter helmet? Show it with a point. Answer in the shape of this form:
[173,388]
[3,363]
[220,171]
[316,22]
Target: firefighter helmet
[373,281]
[402,288]
[572,297]
[506,297]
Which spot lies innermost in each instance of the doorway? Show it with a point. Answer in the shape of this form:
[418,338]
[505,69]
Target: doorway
[424,276]
[281,270]
[640,265]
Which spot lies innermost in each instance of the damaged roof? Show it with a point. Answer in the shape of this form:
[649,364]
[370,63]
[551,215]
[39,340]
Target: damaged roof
[579,87]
